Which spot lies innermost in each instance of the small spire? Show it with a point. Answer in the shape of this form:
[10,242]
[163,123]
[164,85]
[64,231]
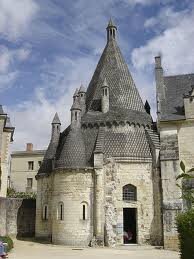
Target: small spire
[111,30]
[8,123]
[105,84]
[76,92]
[110,23]
[1,110]
[56,119]
[82,89]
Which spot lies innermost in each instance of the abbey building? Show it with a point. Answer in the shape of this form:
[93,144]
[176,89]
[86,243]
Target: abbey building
[107,179]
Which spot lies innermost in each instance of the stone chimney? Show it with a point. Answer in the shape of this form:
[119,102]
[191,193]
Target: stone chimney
[29,147]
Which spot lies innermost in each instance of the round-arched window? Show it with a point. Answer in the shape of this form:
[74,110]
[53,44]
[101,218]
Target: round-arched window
[60,212]
[129,192]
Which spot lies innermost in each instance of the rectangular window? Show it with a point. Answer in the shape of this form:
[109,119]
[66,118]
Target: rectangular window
[30,165]
[29,182]
[39,163]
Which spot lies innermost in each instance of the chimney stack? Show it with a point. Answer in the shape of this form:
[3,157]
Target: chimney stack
[29,147]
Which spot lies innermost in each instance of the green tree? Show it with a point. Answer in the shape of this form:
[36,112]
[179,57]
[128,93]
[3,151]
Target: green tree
[187,185]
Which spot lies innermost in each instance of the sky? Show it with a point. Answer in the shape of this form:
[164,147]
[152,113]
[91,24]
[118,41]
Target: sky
[48,48]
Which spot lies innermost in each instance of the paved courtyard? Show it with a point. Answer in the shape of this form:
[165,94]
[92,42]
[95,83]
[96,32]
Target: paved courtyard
[31,250]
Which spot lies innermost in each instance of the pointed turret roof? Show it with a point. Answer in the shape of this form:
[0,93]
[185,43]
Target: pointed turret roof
[76,92]
[105,84]
[76,105]
[123,92]
[1,110]
[82,89]
[111,23]
[56,119]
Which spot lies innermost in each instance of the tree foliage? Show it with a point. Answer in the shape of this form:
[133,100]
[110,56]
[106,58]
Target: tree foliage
[185,220]
[11,193]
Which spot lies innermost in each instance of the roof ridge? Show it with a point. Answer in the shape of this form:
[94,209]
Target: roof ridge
[190,74]
[100,141]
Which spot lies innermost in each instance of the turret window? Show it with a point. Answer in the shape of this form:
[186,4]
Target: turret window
[84,211]
[106,92]
[76,116]
[45,212]
[129,193]
[60,211]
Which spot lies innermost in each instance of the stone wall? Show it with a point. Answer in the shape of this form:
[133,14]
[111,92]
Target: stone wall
[177,140]
[118,175]
[72,188]
[17,217]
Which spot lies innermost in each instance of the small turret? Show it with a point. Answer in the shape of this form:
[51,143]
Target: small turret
[105,97]
[111,31]
[160,87]
[56,128]
[76,114]
[82,99]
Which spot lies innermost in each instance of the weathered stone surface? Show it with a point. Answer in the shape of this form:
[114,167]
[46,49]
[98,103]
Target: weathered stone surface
[17,217]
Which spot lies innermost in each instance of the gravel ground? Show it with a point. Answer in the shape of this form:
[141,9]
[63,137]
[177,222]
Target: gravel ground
[32,250]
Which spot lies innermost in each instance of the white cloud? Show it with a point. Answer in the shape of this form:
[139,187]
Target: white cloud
[15,17]
[8,69]
[32,118]
[175,44]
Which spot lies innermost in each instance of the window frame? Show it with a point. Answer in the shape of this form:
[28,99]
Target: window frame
[129,193]
[29,178]
[45,212]
[30,165]
[60,211]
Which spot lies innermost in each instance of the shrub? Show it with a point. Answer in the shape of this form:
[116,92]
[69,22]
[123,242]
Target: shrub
[185,225]
[11,193]
[9,242]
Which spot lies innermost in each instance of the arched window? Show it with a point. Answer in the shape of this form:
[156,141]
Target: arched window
[129,192]
[106,92]
[60,211]
[84,211]
[45,212]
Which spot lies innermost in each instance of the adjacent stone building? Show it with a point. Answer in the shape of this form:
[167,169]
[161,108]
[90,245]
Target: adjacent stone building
[175,109]
[99,182]
[24,167]
[6,137]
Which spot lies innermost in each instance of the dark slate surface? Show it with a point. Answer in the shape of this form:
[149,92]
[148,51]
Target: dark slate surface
[73,152]
[176,87]
[76,147]
[118,115]
[131,142]
[123,92]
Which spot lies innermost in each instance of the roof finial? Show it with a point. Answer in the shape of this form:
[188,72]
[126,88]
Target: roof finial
[111,30]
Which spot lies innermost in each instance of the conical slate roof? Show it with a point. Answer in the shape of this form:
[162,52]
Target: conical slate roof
[73,153]
[82,89]
[76,105]
[123,92]
[56,119]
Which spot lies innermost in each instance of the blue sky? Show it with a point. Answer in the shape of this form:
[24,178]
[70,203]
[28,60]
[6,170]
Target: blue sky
[49,47]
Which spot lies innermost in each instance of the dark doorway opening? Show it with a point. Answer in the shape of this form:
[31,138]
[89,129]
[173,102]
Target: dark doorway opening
[130,225]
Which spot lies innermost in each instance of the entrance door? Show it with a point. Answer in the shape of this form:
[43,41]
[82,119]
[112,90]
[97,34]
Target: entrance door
[129,226]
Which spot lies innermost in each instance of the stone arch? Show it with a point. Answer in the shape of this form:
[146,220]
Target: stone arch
[84,213]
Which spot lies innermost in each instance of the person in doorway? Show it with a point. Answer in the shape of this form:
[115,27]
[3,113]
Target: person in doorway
[130,235]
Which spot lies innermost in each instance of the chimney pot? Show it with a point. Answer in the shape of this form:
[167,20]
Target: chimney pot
[29,147]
